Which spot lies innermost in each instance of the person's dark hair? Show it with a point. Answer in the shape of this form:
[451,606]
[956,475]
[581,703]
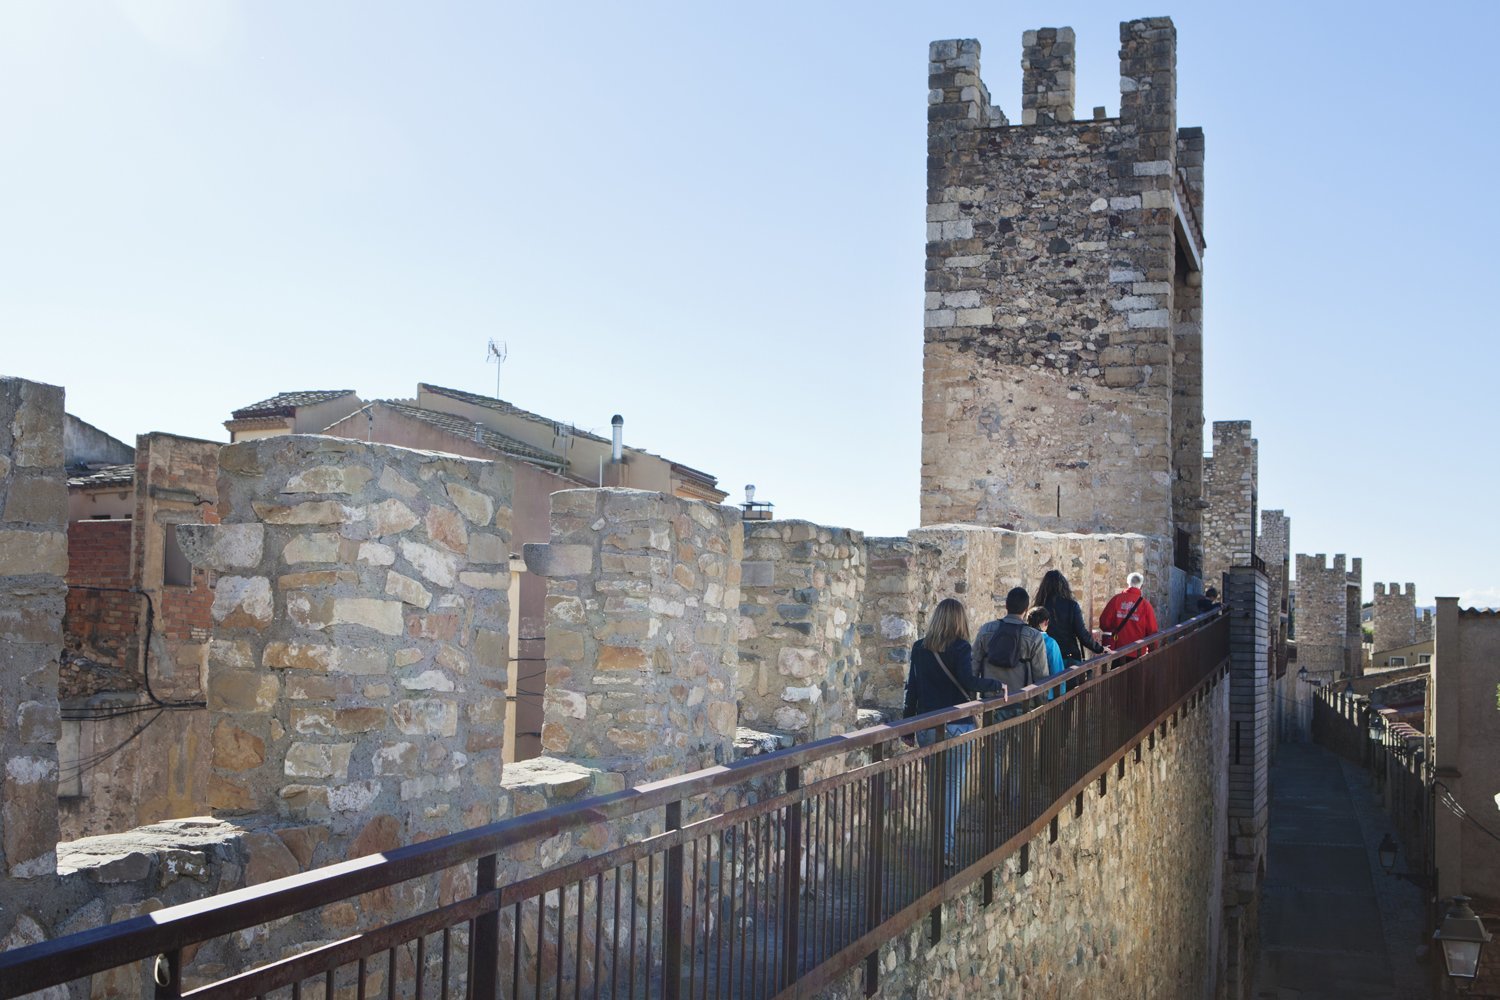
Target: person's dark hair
[1211,593]
[1038,616]
[1017,601]
[1054,586]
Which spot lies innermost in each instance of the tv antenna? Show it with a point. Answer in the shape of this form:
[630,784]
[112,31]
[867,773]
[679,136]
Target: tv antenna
[498,352]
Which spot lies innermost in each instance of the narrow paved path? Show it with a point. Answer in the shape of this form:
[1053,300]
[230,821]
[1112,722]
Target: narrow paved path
[1333,923]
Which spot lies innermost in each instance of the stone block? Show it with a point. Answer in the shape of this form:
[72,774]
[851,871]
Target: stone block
[551,560]
[222,547]
[28,553]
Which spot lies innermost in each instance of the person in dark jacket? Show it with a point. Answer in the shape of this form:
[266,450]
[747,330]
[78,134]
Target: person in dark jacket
[1066,624]
[929,688]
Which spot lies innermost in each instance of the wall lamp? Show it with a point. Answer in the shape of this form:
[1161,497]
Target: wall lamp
[1462,937]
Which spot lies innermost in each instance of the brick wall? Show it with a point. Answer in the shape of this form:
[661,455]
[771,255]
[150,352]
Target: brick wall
[99,625]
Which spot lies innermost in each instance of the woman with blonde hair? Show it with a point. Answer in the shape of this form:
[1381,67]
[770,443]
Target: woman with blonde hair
[941,675]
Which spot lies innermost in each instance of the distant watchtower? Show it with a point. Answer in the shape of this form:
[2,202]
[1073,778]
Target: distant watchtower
[1062,371]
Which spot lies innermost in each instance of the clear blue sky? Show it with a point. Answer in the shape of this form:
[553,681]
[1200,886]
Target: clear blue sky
[709,218]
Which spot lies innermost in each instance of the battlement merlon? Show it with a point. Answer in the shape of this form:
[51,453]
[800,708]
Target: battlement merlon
[1047,76]
[956,95]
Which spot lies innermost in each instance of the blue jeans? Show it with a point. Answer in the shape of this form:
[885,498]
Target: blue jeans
[958,762]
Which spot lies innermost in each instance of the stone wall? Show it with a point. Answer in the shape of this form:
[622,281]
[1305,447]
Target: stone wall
[1049,931]
[893,611]
[801,591]
[642,617]
[1276,551]
[33,567]
[1051,326]
[175,484]
[1322,627]
[360,643]
[1395,618]
[1229,490]
[1465,727]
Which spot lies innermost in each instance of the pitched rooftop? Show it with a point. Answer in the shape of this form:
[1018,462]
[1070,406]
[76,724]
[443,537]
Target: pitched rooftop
[471,431]
[285,404]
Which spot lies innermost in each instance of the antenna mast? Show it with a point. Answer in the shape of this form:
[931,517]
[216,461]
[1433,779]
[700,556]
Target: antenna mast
[498,352]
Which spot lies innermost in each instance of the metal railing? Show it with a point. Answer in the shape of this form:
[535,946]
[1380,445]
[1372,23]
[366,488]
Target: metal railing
[767,878]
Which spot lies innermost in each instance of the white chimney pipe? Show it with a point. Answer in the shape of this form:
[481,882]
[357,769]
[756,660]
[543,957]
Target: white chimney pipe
[617,451]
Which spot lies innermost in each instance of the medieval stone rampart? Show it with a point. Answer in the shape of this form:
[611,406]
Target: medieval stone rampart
[1046,933]
[642,621]
[802,586]
[360,634]
[33,565]
[1051,393]
[1395,617]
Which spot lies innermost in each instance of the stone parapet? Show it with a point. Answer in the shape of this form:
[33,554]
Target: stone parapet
[360,646]
[33,592]
[801,590]
[1395,617]
[643,593]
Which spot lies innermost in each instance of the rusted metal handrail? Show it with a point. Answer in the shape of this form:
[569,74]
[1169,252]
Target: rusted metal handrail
[1110,701]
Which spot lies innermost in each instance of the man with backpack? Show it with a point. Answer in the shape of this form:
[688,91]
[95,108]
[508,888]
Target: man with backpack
[1010,651]
[1128,617]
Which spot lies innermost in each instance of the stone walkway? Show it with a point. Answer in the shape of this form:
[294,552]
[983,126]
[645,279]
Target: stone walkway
[1333,924]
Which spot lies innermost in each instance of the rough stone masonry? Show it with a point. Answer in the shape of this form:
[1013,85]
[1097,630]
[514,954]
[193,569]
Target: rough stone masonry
[1062,370]
[360,646]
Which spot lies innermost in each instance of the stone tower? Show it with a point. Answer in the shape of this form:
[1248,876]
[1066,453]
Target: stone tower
[1395,619]
[1062,370]
[1327,626]
[1230,492]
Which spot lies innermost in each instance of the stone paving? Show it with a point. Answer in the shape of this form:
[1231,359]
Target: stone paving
[1333,923]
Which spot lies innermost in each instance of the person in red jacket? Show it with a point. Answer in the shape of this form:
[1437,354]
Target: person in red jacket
[1128,617]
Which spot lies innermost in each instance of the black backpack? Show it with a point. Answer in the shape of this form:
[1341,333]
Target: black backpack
[1004,650]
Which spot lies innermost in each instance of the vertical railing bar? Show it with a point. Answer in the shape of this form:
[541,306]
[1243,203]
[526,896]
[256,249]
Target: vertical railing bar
[359,987]
[792,931]
[874,864]
[752,908]
[562,936]
[541,941]
[578,948]
[693,927]
[447,960]
[328,985]
[421,964]
[515,955]
[671,949]
[720,923]
[390,973]
[484,941]
[635,900]
[614,959]
[650,924]
[598,928]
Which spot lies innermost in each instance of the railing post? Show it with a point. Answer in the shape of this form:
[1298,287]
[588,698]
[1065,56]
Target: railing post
[166,974]
[875,867]
[671,947]
[988,776]
[937,789]
[792,884]
[485,978]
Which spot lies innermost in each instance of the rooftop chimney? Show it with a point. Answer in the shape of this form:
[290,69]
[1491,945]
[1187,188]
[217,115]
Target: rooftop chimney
[617,451]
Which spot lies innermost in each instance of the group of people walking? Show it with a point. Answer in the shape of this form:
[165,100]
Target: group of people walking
[1029,643]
